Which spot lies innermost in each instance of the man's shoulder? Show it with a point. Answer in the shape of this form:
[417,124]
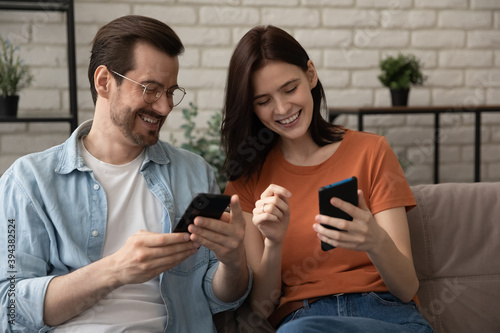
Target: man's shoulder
[174,153]
[54,158]
[184,168]
[31,169]
[39,160]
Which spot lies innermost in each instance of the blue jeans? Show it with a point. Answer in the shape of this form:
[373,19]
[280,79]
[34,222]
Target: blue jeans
[353,313]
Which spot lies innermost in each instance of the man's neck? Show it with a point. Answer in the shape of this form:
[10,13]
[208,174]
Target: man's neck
[105,149]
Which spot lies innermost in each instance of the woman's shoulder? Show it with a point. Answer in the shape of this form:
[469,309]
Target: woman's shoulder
[359,135]
[364,139]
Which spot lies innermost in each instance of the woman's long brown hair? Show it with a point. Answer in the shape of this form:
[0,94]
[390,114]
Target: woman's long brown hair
[245,139]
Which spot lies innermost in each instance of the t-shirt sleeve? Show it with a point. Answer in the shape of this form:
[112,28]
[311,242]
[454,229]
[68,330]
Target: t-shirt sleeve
[389,186]
[245,190]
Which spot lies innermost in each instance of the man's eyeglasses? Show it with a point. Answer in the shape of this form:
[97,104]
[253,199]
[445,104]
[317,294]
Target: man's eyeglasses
[153,91]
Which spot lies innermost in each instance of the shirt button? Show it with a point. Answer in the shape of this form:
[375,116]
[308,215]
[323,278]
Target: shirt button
[96,187]
[95,233]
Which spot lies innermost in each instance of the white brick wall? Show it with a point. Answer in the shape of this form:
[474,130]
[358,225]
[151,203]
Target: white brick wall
[457,40]
[436,39]
[458,19]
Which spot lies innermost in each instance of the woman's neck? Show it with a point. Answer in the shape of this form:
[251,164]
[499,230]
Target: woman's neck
[305,152]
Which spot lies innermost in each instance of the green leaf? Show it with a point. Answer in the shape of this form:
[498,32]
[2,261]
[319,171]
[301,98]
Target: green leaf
[14,74]
[401,72]
[207,145]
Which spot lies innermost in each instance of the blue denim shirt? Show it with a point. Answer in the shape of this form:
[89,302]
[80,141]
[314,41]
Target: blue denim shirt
[53,221]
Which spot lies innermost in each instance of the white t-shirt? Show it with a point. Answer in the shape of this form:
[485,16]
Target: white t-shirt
[131,207]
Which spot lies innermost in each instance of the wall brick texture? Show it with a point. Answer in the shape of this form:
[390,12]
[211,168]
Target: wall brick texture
[458,42]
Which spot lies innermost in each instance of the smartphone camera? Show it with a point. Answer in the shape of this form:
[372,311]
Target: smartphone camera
[201,202]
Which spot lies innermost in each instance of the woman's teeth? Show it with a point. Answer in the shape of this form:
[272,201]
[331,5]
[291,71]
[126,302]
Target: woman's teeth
[289,120]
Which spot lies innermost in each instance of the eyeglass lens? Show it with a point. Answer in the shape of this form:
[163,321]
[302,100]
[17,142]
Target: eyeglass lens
[153,92]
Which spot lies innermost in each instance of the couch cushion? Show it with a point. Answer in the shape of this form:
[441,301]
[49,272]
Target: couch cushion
[455,235]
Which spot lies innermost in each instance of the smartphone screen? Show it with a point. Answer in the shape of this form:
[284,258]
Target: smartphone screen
[346,190]
[203,204]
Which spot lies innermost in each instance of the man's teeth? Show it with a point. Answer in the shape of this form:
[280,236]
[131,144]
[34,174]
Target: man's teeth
[149,120]
[289,120]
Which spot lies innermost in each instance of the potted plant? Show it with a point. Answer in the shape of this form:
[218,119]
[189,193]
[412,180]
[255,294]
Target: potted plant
[14,76]
[398,74]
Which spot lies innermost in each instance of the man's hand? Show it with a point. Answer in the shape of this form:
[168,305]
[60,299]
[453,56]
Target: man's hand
[146,254]
[143,256]
[225,237]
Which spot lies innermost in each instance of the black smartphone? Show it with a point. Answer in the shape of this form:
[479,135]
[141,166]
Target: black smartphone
[346,190]
[203,204]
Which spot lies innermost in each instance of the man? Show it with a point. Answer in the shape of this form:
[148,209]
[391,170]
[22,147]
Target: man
[91,219]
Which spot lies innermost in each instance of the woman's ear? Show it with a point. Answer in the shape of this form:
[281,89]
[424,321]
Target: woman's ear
[102,81]
[312,75]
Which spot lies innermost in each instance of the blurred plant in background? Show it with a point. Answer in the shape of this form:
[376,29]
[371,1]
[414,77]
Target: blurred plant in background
[205,143]
[15,75]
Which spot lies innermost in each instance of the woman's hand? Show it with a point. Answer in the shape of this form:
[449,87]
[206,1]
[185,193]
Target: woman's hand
[363,233]
[272,213]
[385,237]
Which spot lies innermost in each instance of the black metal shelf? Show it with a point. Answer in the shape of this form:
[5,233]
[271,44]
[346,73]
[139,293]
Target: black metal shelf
[46,119]
[437,111]
[65,6]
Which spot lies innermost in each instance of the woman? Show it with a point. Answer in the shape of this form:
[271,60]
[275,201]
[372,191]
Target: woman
[280,151]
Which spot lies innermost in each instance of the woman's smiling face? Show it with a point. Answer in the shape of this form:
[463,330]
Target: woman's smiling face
[282,98]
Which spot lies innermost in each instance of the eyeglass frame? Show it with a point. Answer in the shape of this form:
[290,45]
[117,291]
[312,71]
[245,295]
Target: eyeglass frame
[145,86]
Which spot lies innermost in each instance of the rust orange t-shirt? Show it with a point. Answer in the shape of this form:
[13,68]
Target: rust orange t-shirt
[307,271]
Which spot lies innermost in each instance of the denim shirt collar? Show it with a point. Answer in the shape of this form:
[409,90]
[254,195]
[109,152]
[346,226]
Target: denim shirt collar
[71,157]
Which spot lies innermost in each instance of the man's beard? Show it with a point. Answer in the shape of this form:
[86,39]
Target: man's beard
[125,120]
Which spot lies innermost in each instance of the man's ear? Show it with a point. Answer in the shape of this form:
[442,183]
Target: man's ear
[312,75]
[102,81]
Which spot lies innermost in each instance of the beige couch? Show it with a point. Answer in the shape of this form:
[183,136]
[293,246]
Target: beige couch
[455,235]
